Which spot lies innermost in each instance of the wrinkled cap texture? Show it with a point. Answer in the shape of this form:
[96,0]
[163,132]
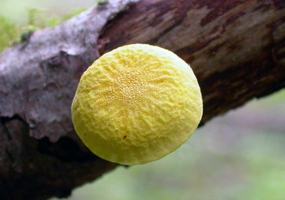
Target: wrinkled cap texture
[136,104]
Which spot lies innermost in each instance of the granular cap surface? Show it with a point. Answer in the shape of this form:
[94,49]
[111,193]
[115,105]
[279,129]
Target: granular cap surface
[136,104]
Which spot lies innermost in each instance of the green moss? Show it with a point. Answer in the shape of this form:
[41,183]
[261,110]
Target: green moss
[10,33]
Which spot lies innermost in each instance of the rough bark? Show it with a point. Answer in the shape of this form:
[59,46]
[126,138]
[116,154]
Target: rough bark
[236,49]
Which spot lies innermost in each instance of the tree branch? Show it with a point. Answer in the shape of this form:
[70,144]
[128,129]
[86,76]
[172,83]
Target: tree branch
[236,49]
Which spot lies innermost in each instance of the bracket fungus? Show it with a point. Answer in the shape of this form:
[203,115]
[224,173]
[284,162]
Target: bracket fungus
[136,104]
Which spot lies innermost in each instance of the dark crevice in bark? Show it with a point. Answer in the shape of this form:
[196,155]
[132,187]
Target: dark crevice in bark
[65,149]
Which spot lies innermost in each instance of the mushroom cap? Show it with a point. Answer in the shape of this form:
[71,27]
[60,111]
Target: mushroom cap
[136,104]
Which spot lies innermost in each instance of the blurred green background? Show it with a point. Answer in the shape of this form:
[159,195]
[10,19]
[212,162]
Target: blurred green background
[238,156]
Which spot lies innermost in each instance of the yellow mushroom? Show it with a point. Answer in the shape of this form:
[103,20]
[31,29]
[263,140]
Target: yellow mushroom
[136,104]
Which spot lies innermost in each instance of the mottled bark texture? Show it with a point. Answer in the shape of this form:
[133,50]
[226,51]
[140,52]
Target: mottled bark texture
[236,48]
